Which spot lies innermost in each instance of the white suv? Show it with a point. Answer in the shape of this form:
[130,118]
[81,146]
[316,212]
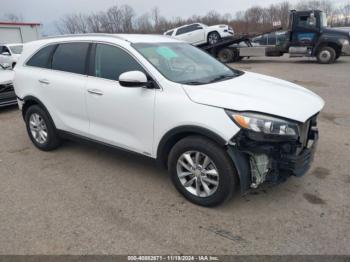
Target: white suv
[213,127]
[9,54]
[199,34]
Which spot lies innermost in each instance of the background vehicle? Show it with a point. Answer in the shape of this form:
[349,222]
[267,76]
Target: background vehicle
[270,39]
[7,93]
[198,34]
[131,100]
[9,53]
[307,36]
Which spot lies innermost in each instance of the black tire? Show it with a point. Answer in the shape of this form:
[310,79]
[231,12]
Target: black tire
[337,56]
[326,55]
[53,140]
[226,55]
[227,175]
[213,38]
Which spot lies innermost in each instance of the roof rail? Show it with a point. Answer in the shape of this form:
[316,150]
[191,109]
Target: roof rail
[87,34]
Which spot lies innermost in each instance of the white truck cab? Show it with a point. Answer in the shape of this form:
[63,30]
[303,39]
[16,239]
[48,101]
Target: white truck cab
[212,126]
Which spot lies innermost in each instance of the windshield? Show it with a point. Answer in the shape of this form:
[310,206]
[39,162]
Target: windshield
[185,64]
[16,49]
[323,20]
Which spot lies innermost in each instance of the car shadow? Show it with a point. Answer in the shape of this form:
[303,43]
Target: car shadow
[7,109]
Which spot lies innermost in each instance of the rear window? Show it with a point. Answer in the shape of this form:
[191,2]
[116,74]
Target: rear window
[41,58]
[70,57]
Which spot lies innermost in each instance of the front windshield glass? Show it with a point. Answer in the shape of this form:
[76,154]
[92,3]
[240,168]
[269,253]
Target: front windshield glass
[324,22]
[16,49]
[185,64]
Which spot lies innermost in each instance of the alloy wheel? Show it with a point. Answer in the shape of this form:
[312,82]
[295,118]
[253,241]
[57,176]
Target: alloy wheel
[213,38]
[197,173]
[38,128]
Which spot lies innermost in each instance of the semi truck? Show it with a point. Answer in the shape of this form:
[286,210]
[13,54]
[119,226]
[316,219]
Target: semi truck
[307,36]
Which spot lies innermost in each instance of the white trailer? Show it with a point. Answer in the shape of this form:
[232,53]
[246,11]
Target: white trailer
[16,32]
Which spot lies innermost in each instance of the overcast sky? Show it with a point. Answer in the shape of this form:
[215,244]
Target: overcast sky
[47,11]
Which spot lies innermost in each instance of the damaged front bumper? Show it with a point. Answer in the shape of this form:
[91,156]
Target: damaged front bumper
[263,158]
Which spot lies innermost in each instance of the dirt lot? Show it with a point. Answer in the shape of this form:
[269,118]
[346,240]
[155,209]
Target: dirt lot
[84,199]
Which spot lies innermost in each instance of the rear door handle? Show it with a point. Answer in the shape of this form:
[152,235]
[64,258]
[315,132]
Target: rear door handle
[44,81]
[95,92]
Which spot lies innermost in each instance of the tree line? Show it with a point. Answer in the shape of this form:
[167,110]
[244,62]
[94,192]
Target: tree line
[123,19]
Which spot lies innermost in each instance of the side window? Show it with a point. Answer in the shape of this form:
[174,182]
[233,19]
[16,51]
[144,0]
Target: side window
[196,27]
[182,30]
[111,62]
[170,33]
[307,21]
[70,57]
[42,58]
[271,40]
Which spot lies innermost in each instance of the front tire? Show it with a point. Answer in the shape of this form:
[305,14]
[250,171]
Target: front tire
[214,38]
[41,129]
[326,55]
[202,171]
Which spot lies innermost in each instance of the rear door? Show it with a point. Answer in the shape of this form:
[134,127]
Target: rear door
[63,86]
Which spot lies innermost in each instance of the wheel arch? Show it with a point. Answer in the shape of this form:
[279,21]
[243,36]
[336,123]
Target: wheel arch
[30,101]
[213,31]
[336,46]
[176,134]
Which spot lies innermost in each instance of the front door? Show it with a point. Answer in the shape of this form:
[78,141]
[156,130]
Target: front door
[306,30]
[118,115]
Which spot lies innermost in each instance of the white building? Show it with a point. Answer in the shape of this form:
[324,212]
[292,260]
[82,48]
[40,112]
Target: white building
[17,32]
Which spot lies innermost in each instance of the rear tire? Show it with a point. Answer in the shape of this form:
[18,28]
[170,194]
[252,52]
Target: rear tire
[211,170]
[226,55]
[213,38]
[326,55]
[41,129]
[337,56]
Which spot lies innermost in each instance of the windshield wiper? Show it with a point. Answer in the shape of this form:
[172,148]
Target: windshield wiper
[220,78]
[193,83]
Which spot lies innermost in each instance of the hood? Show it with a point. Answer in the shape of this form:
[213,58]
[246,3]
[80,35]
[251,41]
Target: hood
[6,76]
[259,93]
[336,32]
[218,26]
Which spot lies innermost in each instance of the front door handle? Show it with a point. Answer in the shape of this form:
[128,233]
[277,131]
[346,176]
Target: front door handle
[44,81]
[95,92]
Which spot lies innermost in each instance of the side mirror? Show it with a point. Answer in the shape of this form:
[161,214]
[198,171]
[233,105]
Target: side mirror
[6,53]
[134,79]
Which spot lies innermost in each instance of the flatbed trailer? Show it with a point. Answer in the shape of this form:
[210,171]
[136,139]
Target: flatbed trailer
[307,36]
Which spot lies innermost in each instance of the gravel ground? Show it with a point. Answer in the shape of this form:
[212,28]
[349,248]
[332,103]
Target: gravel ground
[84,199]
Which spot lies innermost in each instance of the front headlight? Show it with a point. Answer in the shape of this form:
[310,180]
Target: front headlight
[263,123]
